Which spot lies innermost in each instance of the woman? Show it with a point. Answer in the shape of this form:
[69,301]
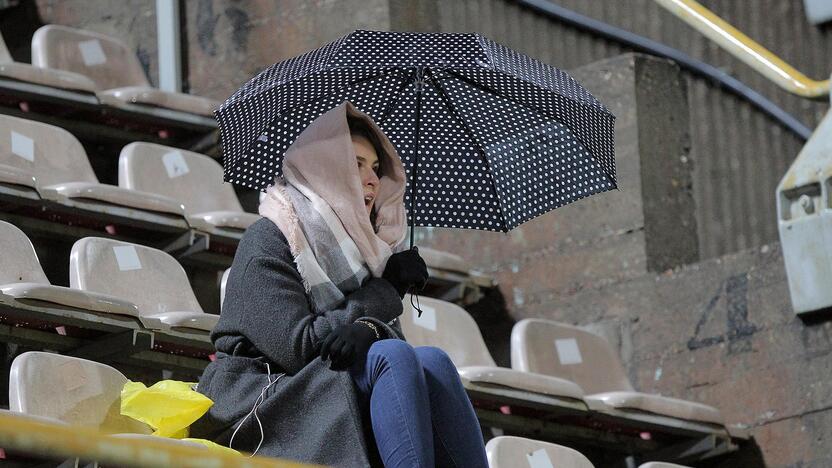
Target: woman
[309,346]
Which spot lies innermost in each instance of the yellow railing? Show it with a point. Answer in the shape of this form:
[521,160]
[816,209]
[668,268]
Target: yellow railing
[746,49]
[26,435]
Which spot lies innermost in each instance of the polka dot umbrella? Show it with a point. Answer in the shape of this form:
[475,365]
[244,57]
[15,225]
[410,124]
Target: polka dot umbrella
[491,138]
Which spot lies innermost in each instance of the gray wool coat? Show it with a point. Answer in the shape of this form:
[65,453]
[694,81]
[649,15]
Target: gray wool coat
[311,414]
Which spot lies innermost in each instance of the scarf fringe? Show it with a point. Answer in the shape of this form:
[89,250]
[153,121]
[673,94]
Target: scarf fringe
[289,225]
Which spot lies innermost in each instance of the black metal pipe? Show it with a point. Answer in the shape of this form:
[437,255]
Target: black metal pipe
[697,67]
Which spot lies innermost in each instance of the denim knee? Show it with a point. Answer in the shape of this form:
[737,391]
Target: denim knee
[435,360]
[392,350]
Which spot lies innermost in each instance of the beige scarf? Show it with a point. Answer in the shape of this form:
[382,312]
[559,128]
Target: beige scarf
[320,171]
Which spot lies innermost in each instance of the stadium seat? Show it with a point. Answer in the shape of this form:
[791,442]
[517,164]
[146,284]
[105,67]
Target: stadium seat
[23,72]
[68,390]
[451,328]
[22,278]
[513,452]
[71,390]
[444,260]
[17,156]
[114,68]
[572,353]
[60,168]
[150,278]
[193,179]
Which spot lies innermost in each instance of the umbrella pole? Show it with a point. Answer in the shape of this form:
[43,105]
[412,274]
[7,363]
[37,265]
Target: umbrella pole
[419,78]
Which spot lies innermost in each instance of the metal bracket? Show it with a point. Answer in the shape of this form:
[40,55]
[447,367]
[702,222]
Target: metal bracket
[121,344]
[693,450]
[200,243]
[187,244]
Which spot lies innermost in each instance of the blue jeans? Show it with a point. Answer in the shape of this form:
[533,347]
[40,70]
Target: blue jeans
[420,413]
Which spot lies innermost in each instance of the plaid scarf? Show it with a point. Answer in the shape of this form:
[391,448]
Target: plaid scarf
[327,258]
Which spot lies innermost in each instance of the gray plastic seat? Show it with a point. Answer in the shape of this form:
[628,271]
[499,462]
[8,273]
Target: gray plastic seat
[569,352]
[150,278]
[516,452]
[17,153]
[112,66]
[193,179]
[9,69]
[22,278]
[444,260]
[451,328]
[70,390]
[61,170]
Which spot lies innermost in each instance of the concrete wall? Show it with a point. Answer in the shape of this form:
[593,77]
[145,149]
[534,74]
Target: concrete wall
[229,42]
[721,332]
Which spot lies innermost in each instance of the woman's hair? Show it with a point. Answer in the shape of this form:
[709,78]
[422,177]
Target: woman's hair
[360,127]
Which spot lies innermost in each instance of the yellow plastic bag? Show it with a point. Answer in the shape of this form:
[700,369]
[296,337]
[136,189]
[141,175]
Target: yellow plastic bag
[168,406]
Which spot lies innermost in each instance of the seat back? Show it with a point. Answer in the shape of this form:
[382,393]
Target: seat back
[448,327]
[514,452]
[51,153]
[568,352]
[444,260]
[5,56]
[193,179]
[149,278]
[19,262]
[73,390]
[107,61]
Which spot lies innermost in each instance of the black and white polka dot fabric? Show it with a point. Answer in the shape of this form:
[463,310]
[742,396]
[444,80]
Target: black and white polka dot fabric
[503,138]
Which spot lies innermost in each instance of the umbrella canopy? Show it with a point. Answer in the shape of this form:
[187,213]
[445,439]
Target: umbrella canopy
[491,138]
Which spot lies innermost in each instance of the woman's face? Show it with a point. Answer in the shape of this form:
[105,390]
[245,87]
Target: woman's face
[368,165]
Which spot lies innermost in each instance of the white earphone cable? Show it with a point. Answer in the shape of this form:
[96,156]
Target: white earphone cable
[260,399]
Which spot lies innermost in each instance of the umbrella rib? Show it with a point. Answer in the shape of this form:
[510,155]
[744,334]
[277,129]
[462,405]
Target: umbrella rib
[495,93]
[383,73]
[399,94]
[577,101]
[446,100]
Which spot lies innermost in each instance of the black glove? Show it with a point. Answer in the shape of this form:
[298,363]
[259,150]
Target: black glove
[405,269]
[347,343]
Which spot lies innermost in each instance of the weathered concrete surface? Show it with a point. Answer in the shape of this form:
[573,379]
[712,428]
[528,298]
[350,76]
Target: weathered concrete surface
[721,332]
[229,42]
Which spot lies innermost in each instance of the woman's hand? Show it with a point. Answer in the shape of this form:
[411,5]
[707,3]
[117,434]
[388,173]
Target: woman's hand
[405,269]
[346,344]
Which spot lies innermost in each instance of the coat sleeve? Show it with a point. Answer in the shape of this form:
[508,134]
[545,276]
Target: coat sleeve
[274,314]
